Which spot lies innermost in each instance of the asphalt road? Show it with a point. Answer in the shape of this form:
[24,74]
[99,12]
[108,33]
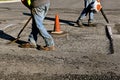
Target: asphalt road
[82,53]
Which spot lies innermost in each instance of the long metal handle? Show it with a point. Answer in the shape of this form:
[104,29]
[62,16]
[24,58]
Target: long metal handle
[24,27]
[104,15]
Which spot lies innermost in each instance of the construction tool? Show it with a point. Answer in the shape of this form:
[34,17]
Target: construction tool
[108,32]
[18,36]
[97,7]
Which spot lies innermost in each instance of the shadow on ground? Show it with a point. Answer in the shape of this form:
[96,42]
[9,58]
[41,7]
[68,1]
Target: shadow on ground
[10,38]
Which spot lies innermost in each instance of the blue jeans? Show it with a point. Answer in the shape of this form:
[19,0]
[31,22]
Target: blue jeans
[87,10]
[38,15]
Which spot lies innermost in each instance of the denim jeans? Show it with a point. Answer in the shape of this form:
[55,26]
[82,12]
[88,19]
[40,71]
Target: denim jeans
[38,15]
[87,10]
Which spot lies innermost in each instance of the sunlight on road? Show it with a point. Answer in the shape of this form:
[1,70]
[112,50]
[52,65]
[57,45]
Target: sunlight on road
[8,1]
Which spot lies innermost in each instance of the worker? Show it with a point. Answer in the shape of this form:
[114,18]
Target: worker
[86,10]
[39,9]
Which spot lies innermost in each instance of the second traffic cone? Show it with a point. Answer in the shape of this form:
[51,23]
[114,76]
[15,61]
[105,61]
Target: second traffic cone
[57,29]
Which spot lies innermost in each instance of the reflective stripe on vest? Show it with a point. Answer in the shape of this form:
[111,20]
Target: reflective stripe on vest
[29,2]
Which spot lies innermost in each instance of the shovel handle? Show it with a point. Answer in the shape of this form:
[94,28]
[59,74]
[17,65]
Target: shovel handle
[24,27]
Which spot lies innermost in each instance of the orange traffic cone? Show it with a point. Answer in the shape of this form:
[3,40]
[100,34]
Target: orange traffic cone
[57,25]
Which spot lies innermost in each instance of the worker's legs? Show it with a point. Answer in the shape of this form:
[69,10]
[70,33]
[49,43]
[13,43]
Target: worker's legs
[39,15]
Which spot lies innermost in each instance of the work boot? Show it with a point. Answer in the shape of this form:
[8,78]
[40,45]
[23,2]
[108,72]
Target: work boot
[46,48]
[90,23]
[27,45]
[79,23]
